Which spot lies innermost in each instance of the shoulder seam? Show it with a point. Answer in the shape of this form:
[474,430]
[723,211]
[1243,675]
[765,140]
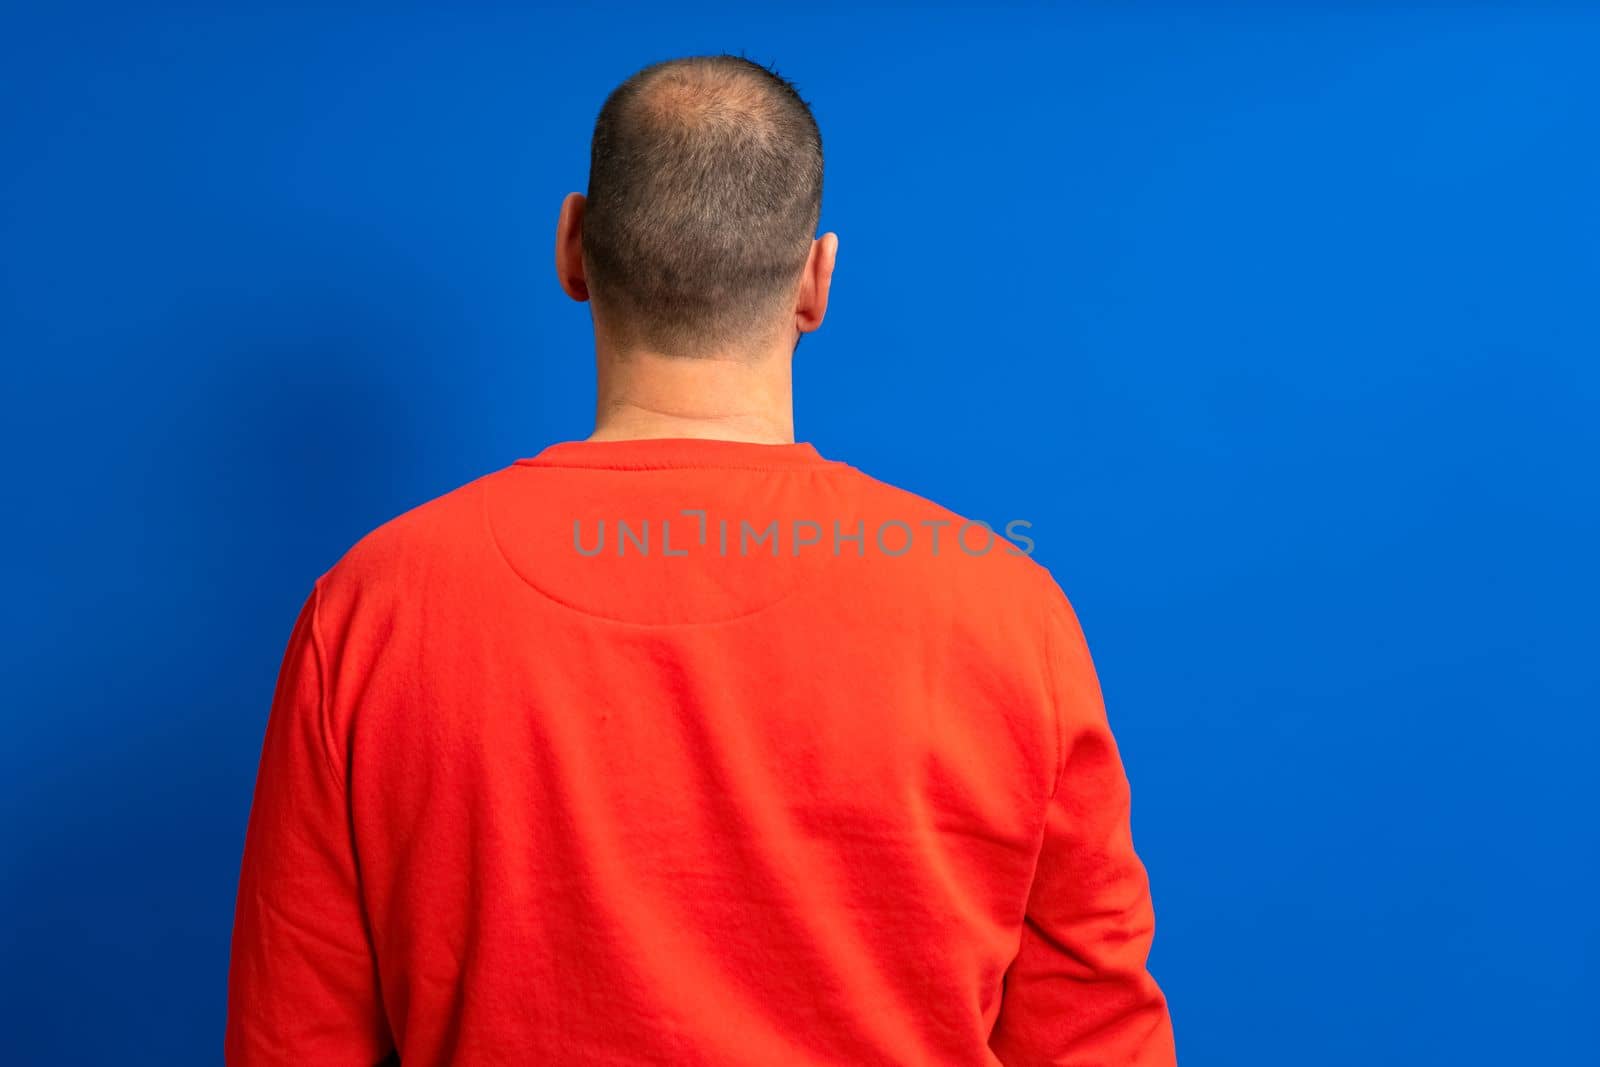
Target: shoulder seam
[1055,701]
[324,728]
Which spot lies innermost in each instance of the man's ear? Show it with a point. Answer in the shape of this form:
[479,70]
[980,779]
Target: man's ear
[815,279]
[569,248]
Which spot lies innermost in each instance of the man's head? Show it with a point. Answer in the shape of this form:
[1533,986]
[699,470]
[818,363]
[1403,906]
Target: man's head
[698,232]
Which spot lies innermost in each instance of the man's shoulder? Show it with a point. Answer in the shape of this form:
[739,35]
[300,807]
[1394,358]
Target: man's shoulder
[943,545]
[442,531]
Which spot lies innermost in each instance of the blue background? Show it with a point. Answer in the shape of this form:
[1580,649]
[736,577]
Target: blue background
[1279,326]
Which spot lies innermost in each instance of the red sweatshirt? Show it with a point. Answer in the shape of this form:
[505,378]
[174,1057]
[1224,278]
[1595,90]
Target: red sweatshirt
[690,752]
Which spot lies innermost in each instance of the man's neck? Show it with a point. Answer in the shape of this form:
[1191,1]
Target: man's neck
[644,395]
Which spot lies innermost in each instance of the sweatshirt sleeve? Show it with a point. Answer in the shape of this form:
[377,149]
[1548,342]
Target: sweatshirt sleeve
[302,979]
[1078,993]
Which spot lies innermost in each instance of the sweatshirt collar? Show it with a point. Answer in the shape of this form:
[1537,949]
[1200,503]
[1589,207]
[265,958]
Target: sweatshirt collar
[661,453]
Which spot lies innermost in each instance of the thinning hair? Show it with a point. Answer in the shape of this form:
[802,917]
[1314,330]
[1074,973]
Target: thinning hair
[705,187]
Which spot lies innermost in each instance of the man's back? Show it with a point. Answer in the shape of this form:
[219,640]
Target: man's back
[686,751]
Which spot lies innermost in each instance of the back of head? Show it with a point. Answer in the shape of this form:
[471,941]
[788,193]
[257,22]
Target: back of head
[705,187]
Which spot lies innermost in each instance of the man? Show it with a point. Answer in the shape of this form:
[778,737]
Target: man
[683,744]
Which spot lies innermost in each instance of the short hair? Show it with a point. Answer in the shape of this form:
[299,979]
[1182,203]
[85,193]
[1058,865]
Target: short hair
[705,187]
